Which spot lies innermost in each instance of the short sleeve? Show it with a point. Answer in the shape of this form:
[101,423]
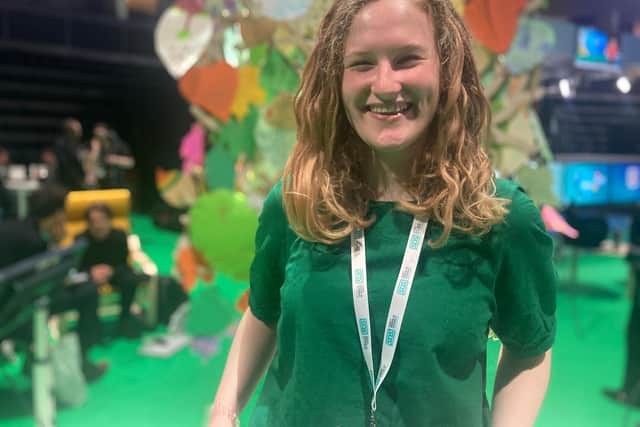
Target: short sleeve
[267,269]
[525,288]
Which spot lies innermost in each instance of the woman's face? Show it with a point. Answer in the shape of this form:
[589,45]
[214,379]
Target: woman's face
[391,80]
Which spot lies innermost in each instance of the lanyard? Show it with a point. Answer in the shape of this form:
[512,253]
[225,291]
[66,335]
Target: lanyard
[396,309]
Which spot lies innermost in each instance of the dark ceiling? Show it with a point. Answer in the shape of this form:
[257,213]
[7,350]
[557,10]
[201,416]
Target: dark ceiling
[610,15]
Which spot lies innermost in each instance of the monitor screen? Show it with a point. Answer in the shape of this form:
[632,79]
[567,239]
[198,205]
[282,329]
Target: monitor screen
[586,184]
[597,50]
[625,183]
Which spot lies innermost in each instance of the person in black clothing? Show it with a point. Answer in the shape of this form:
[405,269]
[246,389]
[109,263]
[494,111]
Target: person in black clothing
[629,393]
[69,171]
[108,158]
[7,204]
[45,228]
[106,261]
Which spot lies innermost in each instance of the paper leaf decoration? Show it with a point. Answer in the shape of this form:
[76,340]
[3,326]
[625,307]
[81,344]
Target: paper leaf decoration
[190,6]
[553,221]
[282,9]
[494,22]
[177,189]
[192,149]
[277,75]
[273,147]
[257,31]
[219,168]
[279,113]
[249,91]
[237,136]
[210,314]
[180,39]
[212,87]
[538,183]
[533,42]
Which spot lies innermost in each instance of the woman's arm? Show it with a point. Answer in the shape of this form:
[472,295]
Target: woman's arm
[252,349]
[519,390]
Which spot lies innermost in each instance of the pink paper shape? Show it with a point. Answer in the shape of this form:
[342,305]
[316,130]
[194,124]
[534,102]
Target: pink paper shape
[553,221]
[192,148]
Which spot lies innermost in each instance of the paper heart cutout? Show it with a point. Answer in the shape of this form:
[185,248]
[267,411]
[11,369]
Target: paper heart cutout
[212,87]
[180,39]
[494,22]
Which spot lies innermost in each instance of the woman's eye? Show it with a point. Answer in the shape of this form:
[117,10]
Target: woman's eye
[408,60]
[361,65]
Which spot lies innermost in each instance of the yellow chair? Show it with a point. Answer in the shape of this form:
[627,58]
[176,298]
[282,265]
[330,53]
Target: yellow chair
[119,201]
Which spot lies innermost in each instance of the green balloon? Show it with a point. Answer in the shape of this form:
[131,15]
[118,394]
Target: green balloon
[222,227]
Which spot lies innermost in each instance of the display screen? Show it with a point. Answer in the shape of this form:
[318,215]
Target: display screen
[625,183]
[586,184]
[597,50]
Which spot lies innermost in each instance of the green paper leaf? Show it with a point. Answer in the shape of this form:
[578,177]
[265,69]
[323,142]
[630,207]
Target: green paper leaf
[210,313]
[538,183]
[219,168]
[258,55]
[237,137]
[278,75]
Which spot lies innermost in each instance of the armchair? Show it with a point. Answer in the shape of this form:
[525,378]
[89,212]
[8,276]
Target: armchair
[119,201]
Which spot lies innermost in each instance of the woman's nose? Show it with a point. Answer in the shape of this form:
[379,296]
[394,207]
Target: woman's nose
[386,85]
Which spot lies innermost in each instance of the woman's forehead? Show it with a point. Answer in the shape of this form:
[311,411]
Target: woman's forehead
[390,24]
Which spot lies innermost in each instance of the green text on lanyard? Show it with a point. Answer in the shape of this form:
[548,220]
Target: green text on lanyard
[396,309]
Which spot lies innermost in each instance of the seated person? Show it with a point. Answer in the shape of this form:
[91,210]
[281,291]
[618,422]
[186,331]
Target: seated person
[45,228]
[106,261]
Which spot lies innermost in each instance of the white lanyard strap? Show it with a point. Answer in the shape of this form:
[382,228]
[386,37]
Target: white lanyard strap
[398,301]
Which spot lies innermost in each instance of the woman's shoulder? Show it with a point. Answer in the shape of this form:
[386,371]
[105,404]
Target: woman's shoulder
[523,213]
[273,207]
[505,188]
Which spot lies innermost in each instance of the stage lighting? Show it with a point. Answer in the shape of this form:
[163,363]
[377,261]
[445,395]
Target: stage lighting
[565,88]
[624,84]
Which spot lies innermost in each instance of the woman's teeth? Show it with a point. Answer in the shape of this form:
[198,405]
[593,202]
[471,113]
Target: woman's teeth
[390,109]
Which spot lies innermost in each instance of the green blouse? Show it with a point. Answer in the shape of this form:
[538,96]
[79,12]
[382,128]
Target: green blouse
[504,280]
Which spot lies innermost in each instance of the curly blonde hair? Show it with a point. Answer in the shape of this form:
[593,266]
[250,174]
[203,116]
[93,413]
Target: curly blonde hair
[325,190]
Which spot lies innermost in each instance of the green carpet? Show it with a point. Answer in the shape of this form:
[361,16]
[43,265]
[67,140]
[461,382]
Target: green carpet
[139,391]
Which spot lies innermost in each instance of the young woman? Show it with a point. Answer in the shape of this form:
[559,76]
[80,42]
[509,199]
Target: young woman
[389,250]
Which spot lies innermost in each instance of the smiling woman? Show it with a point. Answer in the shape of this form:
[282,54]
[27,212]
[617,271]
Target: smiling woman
[387,252]
[391,79]
[390,108]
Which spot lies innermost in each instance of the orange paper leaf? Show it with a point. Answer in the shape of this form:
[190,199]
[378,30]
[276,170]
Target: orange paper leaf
[212,87]
[494,23]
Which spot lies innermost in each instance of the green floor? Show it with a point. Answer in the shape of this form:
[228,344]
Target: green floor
[140,391]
